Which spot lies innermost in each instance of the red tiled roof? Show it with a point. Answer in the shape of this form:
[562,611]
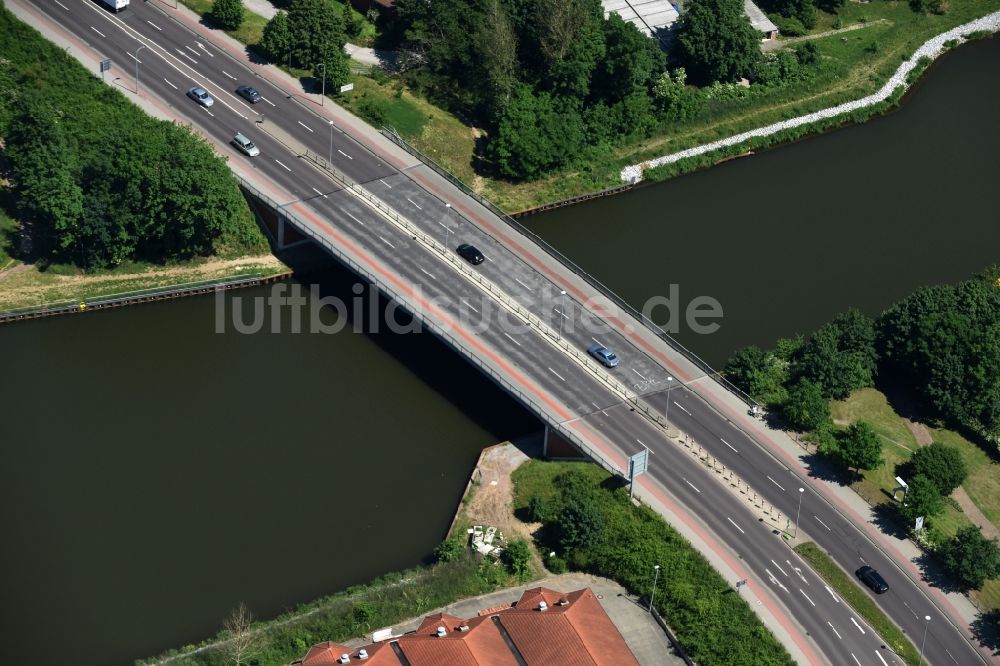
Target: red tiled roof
[578,633]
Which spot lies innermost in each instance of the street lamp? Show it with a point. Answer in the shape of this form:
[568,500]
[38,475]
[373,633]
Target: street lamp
[447,229]
[666,415]
[136,56]
[322,97]
[563,315]
[927,623]
[656,573]
[798,513]
[330,159]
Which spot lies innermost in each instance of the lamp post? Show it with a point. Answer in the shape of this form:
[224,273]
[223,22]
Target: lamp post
[447,229]
[656,574]
[927,623]
[330,159]
[798,514]
[666,415]
[322,97]
[136,56]
[562,315]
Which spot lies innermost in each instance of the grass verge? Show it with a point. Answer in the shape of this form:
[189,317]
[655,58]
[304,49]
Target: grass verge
[859,601]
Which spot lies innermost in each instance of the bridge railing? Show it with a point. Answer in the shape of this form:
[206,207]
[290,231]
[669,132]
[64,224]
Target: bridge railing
[563,427]
[652,326]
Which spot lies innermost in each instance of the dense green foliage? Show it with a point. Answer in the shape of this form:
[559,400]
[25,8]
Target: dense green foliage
[806,408]
[277,39]
[228,13]
[942,343]
[971,558]
[357,610]
[711,621]
[922,499]
[858,447]
[556,83]
[714,41]
[97,182]
[943,465]
[517,557]
[311,35]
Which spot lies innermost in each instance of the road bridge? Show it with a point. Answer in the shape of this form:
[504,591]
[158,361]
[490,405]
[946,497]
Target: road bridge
[524,317]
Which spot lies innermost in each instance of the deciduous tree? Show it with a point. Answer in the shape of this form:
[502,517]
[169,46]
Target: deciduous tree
[941,464]
[971,557]
[714,41]
[922,499]
[806,408]
[239,635]
[228,13]
[277,40]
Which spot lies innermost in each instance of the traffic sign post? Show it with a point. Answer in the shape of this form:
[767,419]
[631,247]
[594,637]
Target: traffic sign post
[636,465]
[105,66]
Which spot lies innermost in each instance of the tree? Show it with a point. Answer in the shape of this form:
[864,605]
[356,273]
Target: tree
[581,523]
[276,40]
[351,24]
[316,31]
[761,374]
[841,355]
[632,60]
[498,51]
[570,43]
[673,98]
[941,464]
[228,13]
[922,499]
[714,41]
[534,135]
[806,408]
[452,548]
[859,447]
[517,555]
[239,635]
[971,557]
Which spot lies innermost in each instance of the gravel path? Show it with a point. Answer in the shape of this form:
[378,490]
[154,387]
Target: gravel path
[931,48]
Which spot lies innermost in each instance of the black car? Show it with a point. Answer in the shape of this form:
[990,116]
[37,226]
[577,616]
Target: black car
[872,579]
[249,94]
[470,254]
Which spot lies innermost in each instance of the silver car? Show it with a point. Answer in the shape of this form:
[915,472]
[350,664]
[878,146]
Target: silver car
[246,145]
[201,96]
[603,354]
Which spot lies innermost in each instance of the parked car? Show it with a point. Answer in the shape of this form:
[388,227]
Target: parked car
[201,96]
[246,145]
[603,354]
[872,579]
[470,254]
[249,94]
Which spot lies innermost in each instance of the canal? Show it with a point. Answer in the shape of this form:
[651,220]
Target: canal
[155,473]
[789,237]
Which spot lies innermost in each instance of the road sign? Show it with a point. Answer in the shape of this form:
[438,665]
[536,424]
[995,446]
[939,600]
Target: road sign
[920,523]
[347,87]
[105,66]
[637,465]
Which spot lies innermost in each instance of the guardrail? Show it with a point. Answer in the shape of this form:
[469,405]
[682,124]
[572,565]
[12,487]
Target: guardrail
[130,297]
[652,326]
[387,290]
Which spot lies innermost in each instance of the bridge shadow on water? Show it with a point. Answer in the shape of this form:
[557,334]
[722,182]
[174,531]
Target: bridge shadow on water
[421,352]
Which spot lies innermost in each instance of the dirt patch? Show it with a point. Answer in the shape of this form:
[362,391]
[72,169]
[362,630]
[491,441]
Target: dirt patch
[973,513]
[920,433]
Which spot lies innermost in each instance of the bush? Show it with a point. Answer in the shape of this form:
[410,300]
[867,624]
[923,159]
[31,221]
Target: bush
[943,465]
[539,510]
[517,557]
[372,110]
[454,547]
[228,13]
[789,26]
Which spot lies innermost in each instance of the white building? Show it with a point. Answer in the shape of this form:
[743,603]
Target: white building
[654,17]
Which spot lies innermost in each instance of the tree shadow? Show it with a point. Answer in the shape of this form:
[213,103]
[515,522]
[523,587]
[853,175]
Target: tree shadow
[936,575]
[986,629]
[886,517]
[821,467]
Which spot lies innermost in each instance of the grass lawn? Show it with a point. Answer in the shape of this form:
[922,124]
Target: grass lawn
[859,600]
[982,484]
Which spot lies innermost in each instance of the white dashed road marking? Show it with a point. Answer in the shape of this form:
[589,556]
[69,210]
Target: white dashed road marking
[837,632]
[856,660]
[286,168]
[98,32]
[187,56]
[304,125]
[692,485]
[62,5]
[880,658]
[735,525]
[555,373]
[133,57]
[470,305]
[320,193]
[807,597]
[857,625]
[344,154]
[154,25]
[779,567]
[385,183]
[776,483]
[836,600]
[411,201]
[387,242]
[729,445]
[681,407]
[433,278]
[170,84]
[348,214]
[229,75]
[512,339]
[268,101]
[523,285]
[823,524]
[638,373]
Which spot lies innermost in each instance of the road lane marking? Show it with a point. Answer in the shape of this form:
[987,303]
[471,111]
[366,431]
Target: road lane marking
[837,632]
[304,125]
[524,285]
[154,25]
[950,655]
[286,168]
[268,101]
[596,406]
[433,278]
[729,445]
[320,193]
[858,626]
[692,485]
[639,373]
[348,214]
[382,180]
[187,56]
[202,47]
[409,199]
[856,660]
[98,32]
[735,525]
[880,658]
[798,571]
[213,115]
[774,580]
[555,373]
[170,84]
[444,225]
[836,600]
[681,407]
[807,597]
[229,75]
[597,341]
[779,567]
[566,316]
[776,483]
[387,242]
[470,305]
[191,50]
[350,158]
[133,57]
[512,339]
[62,5]
[823,524]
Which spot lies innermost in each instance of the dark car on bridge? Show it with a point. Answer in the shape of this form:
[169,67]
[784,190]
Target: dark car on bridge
[470,253]
[603,354]
[249,94]
[872,579]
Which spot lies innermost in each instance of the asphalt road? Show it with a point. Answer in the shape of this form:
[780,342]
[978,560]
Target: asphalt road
[175,60]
